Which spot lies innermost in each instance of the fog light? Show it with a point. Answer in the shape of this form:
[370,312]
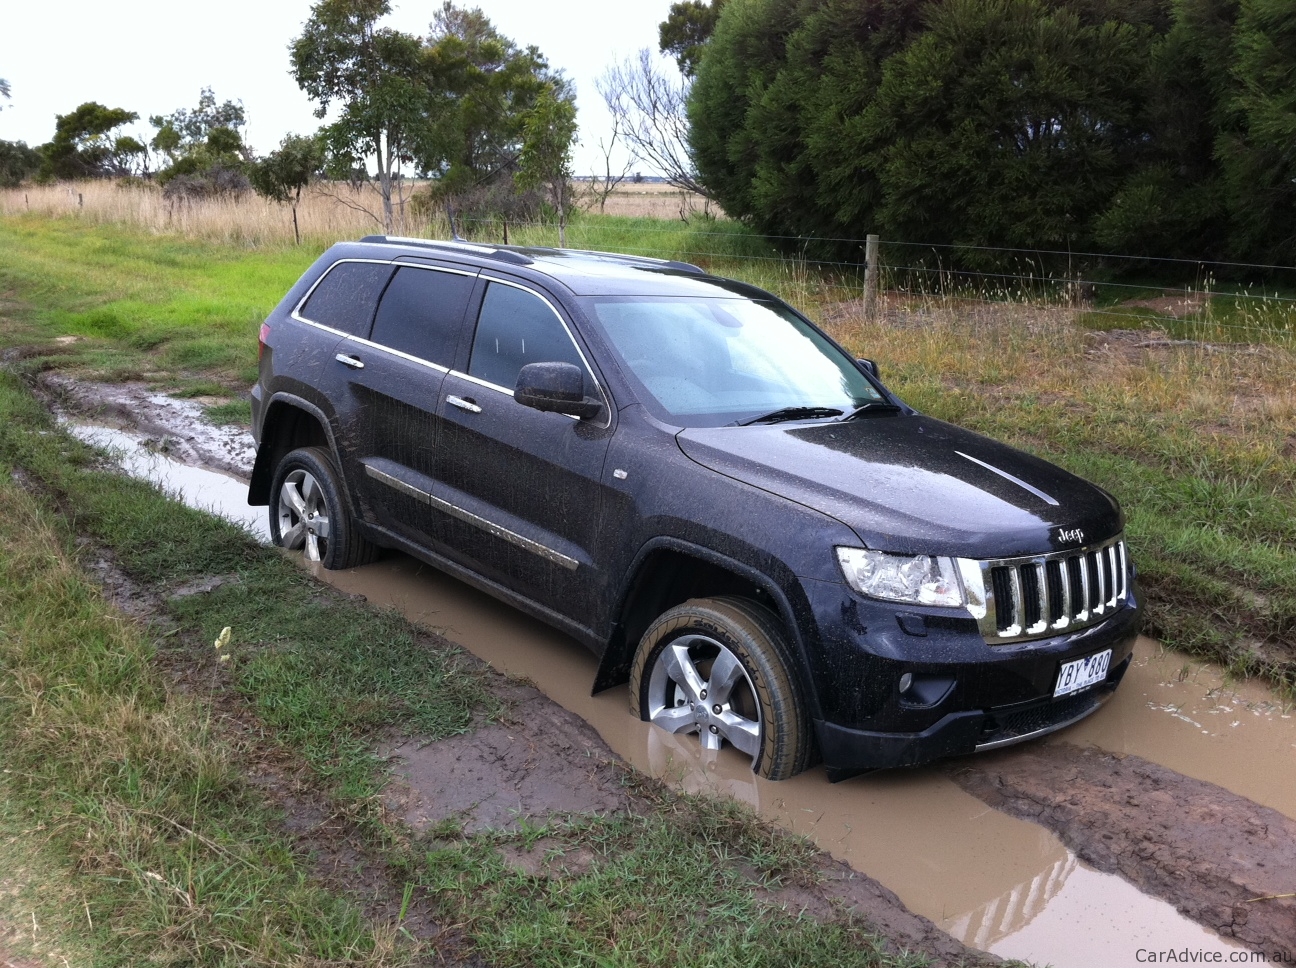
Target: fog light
[924,690]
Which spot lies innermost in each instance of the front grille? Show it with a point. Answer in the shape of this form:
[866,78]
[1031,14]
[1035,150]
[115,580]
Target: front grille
[1015,599]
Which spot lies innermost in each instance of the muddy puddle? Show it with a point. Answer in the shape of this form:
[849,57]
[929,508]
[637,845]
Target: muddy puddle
[994,882]
[221,494]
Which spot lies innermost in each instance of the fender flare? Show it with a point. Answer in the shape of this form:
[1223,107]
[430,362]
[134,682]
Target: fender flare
[614,665]
[263,468]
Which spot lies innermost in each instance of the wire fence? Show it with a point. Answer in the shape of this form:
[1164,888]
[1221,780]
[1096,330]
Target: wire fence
[1199,308]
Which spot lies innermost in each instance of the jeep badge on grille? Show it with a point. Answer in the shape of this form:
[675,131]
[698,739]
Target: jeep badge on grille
[1075,534]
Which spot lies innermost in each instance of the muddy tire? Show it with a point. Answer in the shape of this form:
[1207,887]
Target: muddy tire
[307,512]
[721,668]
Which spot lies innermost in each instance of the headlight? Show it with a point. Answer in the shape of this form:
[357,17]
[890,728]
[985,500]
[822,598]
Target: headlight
[919,579]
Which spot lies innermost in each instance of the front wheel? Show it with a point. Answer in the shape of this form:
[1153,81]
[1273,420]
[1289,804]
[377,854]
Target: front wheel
[308,512]
[720,668]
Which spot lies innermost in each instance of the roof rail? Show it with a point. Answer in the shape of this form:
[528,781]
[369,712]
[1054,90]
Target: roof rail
[526,255]
[489,251]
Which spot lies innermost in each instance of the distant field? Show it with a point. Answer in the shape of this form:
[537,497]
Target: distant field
[653,200]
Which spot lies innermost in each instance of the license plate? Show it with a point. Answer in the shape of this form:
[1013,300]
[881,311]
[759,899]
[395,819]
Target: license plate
[1081,673]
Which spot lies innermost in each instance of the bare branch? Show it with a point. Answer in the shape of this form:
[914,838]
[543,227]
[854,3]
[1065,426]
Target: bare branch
[651,108]
[602,186]
[320,189]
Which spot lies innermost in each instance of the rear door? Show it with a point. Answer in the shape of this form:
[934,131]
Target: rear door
[394,379]
[519,491]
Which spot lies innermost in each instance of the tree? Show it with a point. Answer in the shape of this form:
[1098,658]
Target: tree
[282,175]
[486,90]
[204,148]
[1008,123]
[545,161]
[603,184]
[4,91]
[1258,149]
[17,162]
[648,106]
[974,123]
[685,31]
[84,145]
[378,77]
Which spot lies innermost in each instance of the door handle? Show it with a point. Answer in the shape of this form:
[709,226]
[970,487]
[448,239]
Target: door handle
[463,404]
[352,361]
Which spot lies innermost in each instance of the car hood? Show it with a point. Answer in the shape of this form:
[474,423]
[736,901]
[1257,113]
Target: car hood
[914,485]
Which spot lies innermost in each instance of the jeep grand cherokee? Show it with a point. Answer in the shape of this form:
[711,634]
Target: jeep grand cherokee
[688,476]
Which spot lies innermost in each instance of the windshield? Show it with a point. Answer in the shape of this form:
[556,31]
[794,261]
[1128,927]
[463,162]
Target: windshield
[706,362]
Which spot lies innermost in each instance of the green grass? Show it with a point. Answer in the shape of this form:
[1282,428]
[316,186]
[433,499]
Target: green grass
[122,793]
[662,889]
[145,302]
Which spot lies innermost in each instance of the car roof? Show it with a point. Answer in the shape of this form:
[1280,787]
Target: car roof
[584,272]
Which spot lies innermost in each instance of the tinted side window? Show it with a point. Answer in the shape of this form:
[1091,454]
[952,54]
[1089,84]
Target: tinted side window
[514,328]
[421,312]
[345,298]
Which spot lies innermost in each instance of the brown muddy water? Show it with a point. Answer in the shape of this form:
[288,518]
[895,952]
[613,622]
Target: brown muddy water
[994,882]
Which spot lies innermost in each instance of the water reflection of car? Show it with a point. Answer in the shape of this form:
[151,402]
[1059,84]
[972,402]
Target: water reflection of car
[688,476]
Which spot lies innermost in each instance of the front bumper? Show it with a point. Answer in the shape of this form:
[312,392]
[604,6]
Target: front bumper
[965,695]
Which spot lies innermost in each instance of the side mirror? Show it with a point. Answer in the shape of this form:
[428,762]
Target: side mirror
[555,388]
[870,366]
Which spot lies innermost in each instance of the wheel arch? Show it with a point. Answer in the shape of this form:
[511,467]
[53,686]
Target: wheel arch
[669,571]
[290,422]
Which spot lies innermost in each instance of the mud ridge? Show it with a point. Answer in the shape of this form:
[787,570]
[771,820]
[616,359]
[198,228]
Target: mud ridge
[1219,858]
[173,426]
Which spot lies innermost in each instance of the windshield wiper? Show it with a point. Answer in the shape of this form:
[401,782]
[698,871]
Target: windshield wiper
[874,405]
[790,413]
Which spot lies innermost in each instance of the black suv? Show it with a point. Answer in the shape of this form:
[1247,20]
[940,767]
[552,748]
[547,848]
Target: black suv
[685,474]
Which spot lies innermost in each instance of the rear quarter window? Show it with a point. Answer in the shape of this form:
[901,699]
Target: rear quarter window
[345,299]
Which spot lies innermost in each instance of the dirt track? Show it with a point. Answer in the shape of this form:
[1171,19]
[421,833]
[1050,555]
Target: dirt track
[1207,851]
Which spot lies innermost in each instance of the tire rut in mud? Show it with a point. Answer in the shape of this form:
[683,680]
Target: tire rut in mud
[1219,858]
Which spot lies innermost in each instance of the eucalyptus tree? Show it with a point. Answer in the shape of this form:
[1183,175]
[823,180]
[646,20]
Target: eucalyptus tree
[378,79]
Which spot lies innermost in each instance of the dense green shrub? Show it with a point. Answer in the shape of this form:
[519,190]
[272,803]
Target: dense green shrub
[1149,127]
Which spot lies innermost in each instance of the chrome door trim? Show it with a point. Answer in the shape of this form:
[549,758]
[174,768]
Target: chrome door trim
[512,537]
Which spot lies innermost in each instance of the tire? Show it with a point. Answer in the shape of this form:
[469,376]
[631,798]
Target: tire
[307,512]
[720,667]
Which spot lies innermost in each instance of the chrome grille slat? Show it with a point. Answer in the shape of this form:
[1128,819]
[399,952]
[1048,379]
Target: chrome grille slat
[1016,599]
[1067,618]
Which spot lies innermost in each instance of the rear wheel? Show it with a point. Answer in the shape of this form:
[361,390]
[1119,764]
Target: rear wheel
[308,513]
[719,667]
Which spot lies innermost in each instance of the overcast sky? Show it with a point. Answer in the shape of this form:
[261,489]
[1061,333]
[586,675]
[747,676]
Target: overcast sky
[152,57]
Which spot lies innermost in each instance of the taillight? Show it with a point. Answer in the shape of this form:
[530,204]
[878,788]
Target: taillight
[261,340]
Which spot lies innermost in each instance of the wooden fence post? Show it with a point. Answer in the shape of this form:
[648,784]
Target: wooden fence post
[870,276]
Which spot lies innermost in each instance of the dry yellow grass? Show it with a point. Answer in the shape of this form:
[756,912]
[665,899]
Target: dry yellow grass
[327,213]
[649,200]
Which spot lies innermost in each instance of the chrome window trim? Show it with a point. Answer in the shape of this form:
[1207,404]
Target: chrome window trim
[603,395]
[402,355]
[477,521]
[296,312]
